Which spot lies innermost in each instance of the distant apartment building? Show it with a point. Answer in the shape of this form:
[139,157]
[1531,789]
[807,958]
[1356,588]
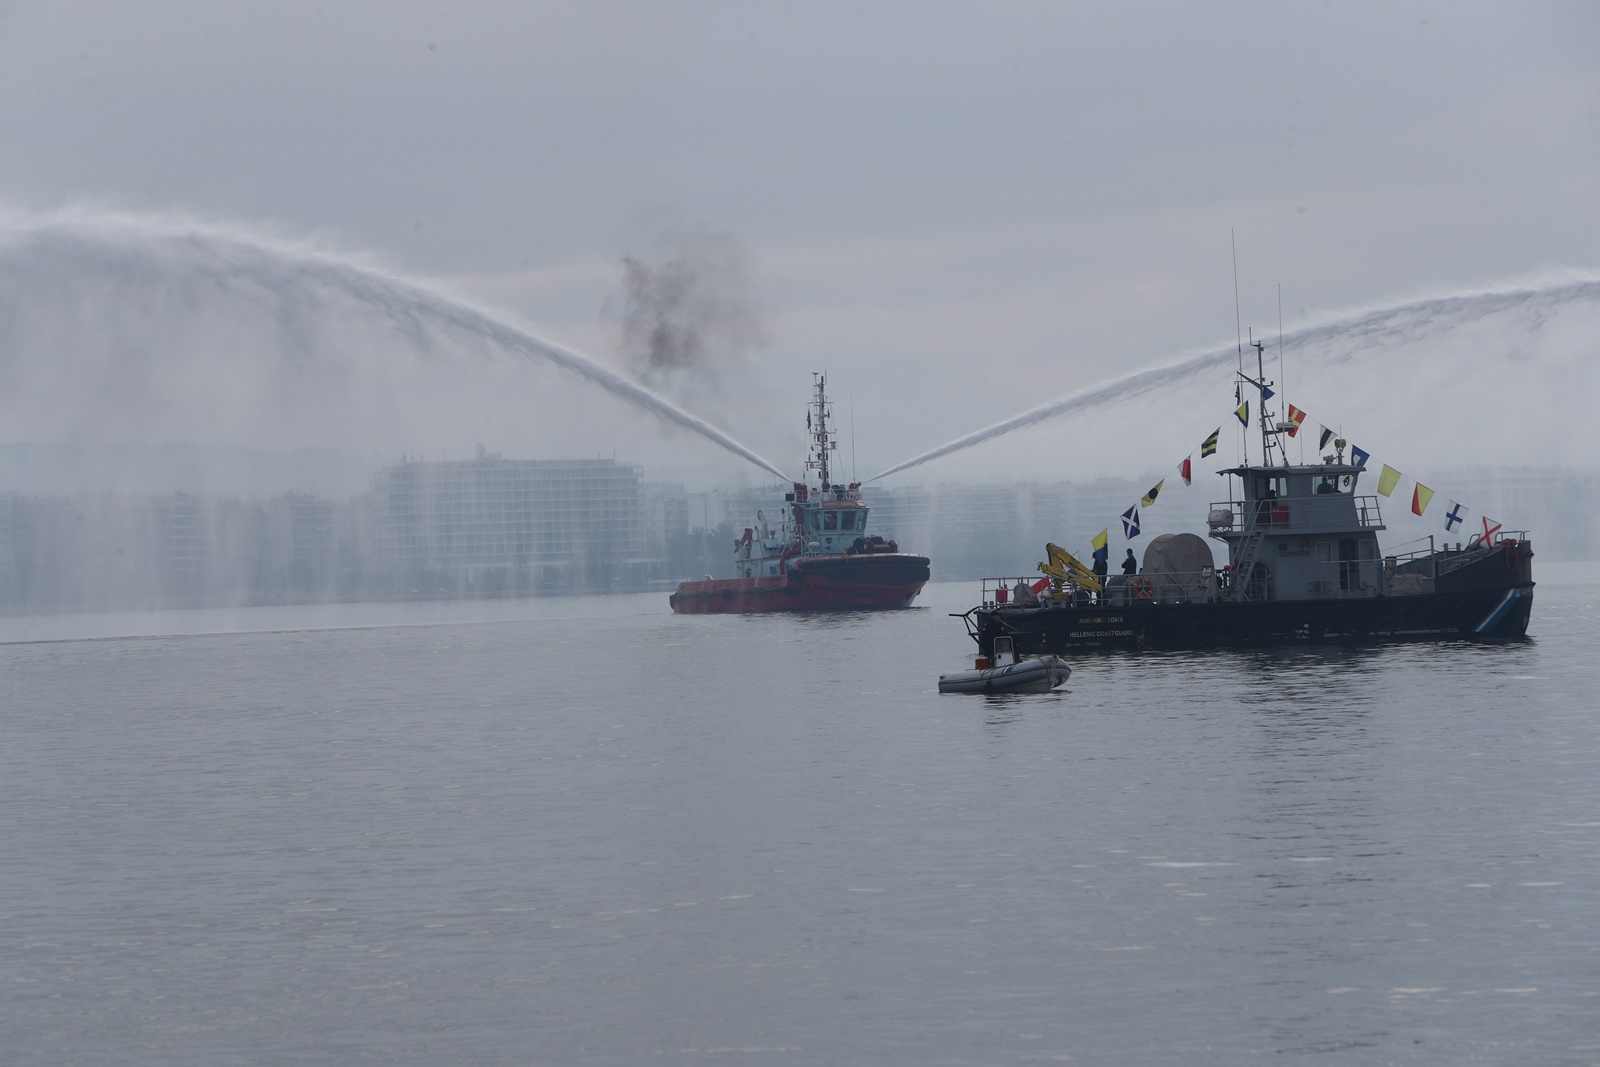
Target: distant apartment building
[735,507]
[901,514]
[491,524]
[665,510]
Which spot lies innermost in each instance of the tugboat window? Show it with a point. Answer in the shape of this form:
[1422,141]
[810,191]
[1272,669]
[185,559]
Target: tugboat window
[1272,487]
[830,520]
[1273,493]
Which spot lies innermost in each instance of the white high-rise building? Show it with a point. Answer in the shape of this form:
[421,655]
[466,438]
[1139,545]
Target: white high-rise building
[492,522]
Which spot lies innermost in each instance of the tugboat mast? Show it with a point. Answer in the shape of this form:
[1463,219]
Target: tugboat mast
[822,442]
[1269,430]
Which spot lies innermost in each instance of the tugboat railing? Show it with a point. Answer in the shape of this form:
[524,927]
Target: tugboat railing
[1314,514]
[1395,574]
[1335,579]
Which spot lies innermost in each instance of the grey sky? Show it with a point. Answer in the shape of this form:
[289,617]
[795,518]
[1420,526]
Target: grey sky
[961,210]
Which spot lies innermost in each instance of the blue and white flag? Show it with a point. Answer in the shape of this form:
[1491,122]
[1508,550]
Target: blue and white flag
[1130,522]
[1452,517]
[1359,458]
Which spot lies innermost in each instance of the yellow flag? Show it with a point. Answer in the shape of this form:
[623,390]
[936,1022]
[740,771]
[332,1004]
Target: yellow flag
[1388,480]
[1150,497]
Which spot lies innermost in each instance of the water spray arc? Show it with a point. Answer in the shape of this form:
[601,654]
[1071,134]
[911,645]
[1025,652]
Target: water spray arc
[246,260]
[1120,389]
[1348,334]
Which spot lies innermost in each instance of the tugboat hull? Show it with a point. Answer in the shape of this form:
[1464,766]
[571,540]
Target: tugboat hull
[820,558]
[1425,617]
[1491,600]
[875,582]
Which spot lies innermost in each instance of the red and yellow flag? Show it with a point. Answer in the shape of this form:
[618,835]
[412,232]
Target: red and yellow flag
[1419,499]
[1296,416]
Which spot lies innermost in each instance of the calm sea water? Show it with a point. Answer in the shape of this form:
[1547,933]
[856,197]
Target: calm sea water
[589,831]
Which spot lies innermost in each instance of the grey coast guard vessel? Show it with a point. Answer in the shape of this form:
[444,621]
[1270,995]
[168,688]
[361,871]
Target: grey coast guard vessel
[1304,565]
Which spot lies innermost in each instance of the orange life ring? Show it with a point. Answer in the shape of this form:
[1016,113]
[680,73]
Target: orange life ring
[1144,588]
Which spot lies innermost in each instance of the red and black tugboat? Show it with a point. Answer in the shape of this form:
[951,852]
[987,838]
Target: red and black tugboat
[820,557]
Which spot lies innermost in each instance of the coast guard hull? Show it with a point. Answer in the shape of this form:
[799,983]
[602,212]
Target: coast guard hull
[1488,600]
[1304,562]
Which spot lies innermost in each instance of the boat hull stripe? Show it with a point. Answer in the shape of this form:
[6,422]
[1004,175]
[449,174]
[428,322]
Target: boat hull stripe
[1491,620]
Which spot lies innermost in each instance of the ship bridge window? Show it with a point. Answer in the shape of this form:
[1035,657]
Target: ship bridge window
[1336,483]
[830,520]
[1272,487]
[847,521]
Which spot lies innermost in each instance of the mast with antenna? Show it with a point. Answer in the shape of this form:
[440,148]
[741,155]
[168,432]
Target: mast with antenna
[822,442]
[1238,329]
[1270,430]
[1281,369]
[1263,419]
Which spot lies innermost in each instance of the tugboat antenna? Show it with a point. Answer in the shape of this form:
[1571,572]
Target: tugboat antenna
[1238,328]
[1282,383]
[1261,408]
[1238,332]
[853,476]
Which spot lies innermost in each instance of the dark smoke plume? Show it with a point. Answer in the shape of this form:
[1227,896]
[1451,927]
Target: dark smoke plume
[691,310]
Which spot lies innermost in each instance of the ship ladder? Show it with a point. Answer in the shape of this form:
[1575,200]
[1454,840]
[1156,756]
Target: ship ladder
[1249,549]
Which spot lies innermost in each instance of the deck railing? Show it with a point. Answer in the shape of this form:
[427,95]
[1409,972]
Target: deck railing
[1396,574]
[1331,512]
[1334,580]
